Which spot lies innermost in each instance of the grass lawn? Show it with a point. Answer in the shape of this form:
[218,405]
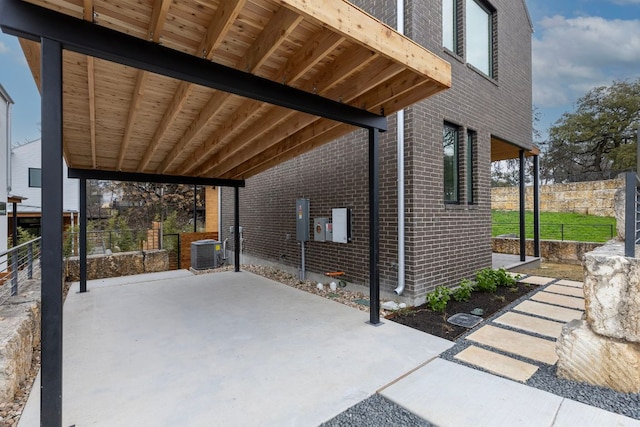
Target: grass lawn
[556,226]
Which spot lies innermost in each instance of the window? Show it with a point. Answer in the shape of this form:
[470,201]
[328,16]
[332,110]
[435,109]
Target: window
[450,25]
[450,145]
[35,177]
[471,137]
[479,36]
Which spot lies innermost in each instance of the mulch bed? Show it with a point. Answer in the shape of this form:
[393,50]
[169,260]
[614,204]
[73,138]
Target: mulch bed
[425,320]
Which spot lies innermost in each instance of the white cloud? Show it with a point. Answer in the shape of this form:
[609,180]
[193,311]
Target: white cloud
[4,48]
[572,56]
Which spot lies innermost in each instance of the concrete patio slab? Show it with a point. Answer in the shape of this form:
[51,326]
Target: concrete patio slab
[547,328]
[497,363]
[516,343]
[565,290]
[549,311]
[573,283]
[224,349]
[561,300]
[574,413]
[451,395]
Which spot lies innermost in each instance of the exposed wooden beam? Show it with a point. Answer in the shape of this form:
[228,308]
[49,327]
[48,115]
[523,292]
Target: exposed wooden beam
[158,17]
[91,80]
[223,18]
[87,10]
[269,40]
[360,27]
[138,91]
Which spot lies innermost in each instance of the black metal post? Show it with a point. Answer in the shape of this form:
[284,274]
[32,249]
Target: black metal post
[374,235]
[195,205]
[51,321]
[236,229]
[14,223]
[536,206]
[30,260]
[630,215]
[523,237]
[82,245]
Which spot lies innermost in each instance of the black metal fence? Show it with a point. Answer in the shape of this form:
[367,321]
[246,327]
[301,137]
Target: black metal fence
[17,265]
[632,214]
[105,241]
[576,232]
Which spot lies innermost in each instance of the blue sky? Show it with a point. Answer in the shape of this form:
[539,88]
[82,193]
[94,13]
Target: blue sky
[577,45]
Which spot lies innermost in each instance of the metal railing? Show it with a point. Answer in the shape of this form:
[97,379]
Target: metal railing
[105,241]
[631,214]
[17,265]
[577,232]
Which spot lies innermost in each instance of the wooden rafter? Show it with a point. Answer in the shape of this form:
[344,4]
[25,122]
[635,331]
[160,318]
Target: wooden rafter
[91,80]
[158,17]
[273,35]
[223,18]
[134,108]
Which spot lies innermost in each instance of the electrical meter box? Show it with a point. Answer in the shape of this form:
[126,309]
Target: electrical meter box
[341,225]
[322,230]
[302,220]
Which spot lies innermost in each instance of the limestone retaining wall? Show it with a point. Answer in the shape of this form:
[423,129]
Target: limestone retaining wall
[118,264]
[590,197]
[19,336]
[562,252]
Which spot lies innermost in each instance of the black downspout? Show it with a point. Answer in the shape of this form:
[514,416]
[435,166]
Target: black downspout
[374,235]
[236,232]
[51,289]
[82,245]
[536,206]
[523,237]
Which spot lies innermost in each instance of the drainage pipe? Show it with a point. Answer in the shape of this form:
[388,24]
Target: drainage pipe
[400,146]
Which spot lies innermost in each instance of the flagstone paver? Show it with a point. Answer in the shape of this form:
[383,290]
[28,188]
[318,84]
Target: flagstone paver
[565,290]
[562,300]
[549,311]
[537,280]
[517,343]
[572,283]
[536,325]
[497,363]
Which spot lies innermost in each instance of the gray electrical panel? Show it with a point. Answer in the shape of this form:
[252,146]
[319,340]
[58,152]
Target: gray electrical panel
[322,230]
[302,220]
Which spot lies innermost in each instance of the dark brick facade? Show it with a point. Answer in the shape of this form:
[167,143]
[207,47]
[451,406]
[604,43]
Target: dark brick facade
[444,242]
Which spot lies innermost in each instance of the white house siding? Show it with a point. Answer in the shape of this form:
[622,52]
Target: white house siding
[5,137]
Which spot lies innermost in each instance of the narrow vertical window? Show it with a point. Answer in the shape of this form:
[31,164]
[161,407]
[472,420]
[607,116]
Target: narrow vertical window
[450,25]
[35,177]
[450,146]
[479,36]
[471,136]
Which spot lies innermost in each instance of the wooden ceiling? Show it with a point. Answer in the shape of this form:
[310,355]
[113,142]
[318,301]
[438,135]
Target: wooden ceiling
[504,150]
[118,118]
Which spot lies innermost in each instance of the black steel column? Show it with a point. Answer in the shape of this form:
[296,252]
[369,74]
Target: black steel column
[14,223]
[236,228]
[82,244]
[536,206]
[51,321]
[195,212]
[374,235]
[523,237]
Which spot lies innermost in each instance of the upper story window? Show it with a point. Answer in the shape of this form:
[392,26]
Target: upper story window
[450,145]
[35,177]
[450,24]
[479,36]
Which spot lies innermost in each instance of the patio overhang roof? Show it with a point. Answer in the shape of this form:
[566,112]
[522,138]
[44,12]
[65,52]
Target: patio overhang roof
[220,89]
[504,150]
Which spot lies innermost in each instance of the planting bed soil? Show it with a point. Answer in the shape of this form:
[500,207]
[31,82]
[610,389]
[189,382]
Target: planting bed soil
[424,319]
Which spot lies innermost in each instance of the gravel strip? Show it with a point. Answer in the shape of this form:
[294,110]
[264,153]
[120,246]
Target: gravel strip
[545,378]
[376,411]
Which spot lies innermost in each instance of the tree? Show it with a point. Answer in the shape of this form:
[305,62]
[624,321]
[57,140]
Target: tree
[598,139]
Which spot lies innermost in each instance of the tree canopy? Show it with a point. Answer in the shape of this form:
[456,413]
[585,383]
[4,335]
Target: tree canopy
[598,139]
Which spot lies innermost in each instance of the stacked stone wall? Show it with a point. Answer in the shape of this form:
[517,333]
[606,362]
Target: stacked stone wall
[591,197]
[563,252]
[119,264]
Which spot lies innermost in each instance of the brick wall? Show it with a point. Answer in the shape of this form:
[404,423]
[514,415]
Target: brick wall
[591,197]
[443,242]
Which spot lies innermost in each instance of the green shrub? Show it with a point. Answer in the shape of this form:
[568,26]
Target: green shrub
[438,299]
[463,292]
[505,279]
[487,280]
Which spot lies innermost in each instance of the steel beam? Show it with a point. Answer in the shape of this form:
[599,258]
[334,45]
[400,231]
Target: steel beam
[523,237]
[51,289]
[32,22]
[536,206]
[374,222]
[236,229]
[82,244]
[148,177]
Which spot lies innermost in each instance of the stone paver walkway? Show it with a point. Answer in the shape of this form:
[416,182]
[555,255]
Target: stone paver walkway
[514,344]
